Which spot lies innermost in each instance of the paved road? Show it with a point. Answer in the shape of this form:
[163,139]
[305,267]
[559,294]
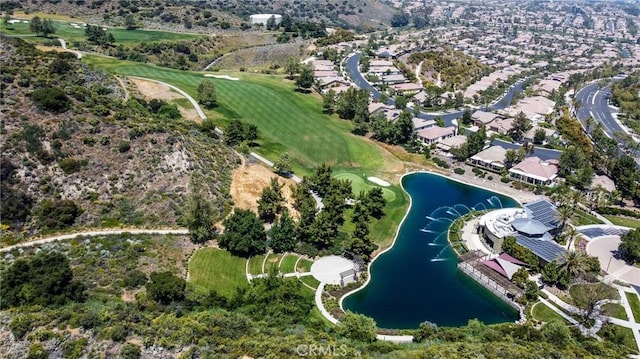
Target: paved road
[64,46]
[593,101]
[448,117]
[94,234]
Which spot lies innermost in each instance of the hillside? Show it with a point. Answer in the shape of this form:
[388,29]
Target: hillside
[449,69]
[75,153]
[203,16]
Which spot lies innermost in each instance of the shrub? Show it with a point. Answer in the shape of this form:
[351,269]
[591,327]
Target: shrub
[505,179]
[458,171]
[490,178]
[440,162]
[70,165]
[124,146]
[51,99]
[57,214]
[130,351]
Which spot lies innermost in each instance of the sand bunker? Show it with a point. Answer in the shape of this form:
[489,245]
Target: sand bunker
[378,181]
[225,77]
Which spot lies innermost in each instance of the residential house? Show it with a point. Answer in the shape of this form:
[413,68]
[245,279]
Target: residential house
[406,88]
[448,143]
[482,118]
[393,79]
[535,171]
[435,134]
[501,125]
[421,124]
[492,159]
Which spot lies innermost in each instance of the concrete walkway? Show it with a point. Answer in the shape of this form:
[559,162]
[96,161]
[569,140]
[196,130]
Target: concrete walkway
[63,44]
[94,234]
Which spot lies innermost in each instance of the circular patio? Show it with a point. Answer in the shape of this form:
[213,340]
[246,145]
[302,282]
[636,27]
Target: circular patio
[328,269]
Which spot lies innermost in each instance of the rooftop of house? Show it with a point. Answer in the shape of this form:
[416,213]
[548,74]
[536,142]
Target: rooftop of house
[536,168]
[492,154]
[483,117]
[433,133]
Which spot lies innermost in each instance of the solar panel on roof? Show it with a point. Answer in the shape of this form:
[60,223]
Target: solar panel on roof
[543,211]
[547,250]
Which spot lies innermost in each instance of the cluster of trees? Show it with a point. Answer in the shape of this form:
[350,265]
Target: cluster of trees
[44,279]
[98,36]
[475,143]
[41,26]
[630,246]
[315,230]
[238,132]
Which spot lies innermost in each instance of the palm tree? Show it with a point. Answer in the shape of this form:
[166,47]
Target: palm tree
[571,234]
[565,212]
[575,264]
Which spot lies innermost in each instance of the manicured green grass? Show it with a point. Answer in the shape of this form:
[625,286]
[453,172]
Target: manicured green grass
[273,260]
[360,183]
[581,218]
[287,120]
[215,269]
[634,303]
[614,310]
[625,337]
[288,263]
[304,265]
[255,264]
[542,312]
[121,35]
[623,221]
[310,281]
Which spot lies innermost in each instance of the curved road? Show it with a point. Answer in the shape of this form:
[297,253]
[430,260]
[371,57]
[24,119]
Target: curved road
[94,234]
[191,99]
[448,117]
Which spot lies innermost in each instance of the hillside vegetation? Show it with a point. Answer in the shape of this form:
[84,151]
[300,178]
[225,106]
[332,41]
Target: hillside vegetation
[457,70]
[75,152]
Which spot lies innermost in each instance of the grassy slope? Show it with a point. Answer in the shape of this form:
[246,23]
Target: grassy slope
[122,36]
[211,268]
[623,221]
[288,263]
[542,312]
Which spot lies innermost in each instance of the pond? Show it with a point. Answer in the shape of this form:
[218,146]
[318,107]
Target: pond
[417,279]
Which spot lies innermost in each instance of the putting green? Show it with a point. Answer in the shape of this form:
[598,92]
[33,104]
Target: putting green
[359,183]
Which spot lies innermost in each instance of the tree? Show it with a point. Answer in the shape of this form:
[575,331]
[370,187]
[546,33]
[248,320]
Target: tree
[360,242]
[321,179]
[244,234]
[401,102]
[329,101]
[630,246]
[400,19]
[374,202]
[439,121]
[291,67]
[200,216]
[520,125]
[270,201]
[57,213]
[41,26]
[575,264]
[283,165]
[539,136]
[358,327]
[130,351]
[476,141]
[466,117]
[564,214]
[626,176]
[165,287]
[304,81]
[282,235]
[556,333]
[511,157]
[323,230]
[207,94]
[271,23]
[130,22]
[43,279]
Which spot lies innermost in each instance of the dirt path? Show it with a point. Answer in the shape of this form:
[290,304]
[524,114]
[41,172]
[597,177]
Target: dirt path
[124,87]
[94,234]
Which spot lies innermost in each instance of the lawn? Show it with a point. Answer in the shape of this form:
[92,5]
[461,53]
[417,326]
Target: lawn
[582,218]
[624,336]
[634,303]
[304,265]
[623,221]
[273,260]
[310,281]
[121,35]
[614,310]
[215,269]
[360,183]
[288,263]
[255,264]
[287,120]
[542,312]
